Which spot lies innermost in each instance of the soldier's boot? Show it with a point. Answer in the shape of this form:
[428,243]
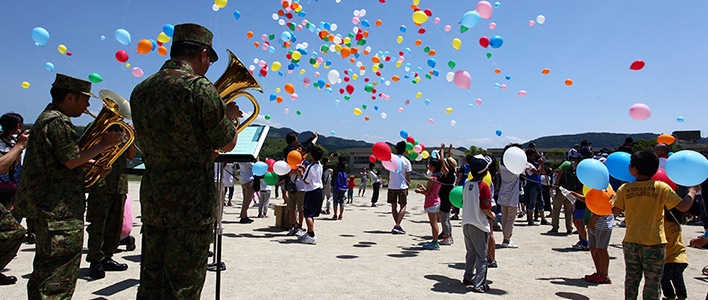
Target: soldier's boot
[111,265]
[7,280]
[96,271]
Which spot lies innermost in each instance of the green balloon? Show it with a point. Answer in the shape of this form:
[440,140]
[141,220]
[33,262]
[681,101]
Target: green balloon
[451,64]
[95,78]
[415,142]
[381,65]
[412,155]
[489,54]
[409,146]
[368,88]
[267,117]
[427,49]
[271,178]
[313,61]
[351,35]
[298,112]
[347,97]
[363,106]
[361,42]
[428,76]
[271,36]
[463,29]
[324,48]
[456,196]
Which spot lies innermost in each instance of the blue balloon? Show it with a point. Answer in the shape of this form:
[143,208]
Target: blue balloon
[123,36]
[329,90]
[408,50]
[40,36]
[271,49]
[508,77]
[593,174]
[434,154]
[618,166]
[497,5]
[273,96]
[286,36]
[332,132]
[404,134]
[427,101]
[472,106]
[103,37]
[402,28]
[301,14]
[49,66]
[259,168]
[470,19]
[497,85]
[154,44]
[496,42]
[365,23]
[498,131]
[321,83]
[336,101]
[431,62]
[237,14]
[436,72]
[687,168]
[680,119]
[169,30]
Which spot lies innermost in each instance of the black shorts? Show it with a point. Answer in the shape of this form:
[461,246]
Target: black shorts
[313,203]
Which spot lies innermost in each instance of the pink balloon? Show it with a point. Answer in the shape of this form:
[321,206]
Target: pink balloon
[532,23]
[355,20]
[462,79]
[437,20]
[503,86]
[298,27]
[391,165]
[400,109]
[479,102]
[492,25]
[287,110]
[294,96]
[640,111]
[418,148]
[137,72]
[484,9]
[522,93]
[430,121]
[407,102]
[448,27]
[317,74]
[264,37]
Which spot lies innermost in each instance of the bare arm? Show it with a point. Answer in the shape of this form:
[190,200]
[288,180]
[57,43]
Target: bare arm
[488,213]
[109,140]
[425,190]
[10,158]
[442,158]
[687,201]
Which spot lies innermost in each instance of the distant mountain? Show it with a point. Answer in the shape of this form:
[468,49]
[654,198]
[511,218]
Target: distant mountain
[330,143]
[599,140]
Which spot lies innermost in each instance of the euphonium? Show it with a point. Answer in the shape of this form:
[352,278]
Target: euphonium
[232,84]
[115,109]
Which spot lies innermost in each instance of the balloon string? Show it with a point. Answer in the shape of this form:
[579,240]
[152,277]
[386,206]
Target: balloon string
[125,13]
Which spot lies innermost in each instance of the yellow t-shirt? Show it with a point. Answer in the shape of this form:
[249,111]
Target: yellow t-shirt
[675,250]
[643,204]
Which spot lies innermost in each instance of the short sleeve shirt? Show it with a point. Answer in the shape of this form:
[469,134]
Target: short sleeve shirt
[397,180]
[476,196]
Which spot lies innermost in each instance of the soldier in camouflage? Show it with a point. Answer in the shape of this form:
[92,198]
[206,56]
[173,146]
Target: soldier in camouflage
[51,189]
[180,120]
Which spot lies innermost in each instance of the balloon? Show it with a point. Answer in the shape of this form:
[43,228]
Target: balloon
[545,71]
[687,168]
[237,15]
[168,29]
[431,62]
[450,76]
[489,54]
[357,111]
[417,148]
[144,46]
[522,93]
[456,43]
[540,19]
[123,36]
[593,173]
[391,165]
[25,84]
[122,56]
[660,175]
[271,178]
[163,38]
[281,168]
[372,158]
[598,201]
[162,50]
[419,17]
[618,166]
[49,66]
[484,41]
[487,179]
[95,78]
[431,121]
[289,88]
[294,158]
[404,134]
[470,19]
[447,27]
[456,196]
[425,154]
[666,139]
[569,82]
[381,151]
[62,49]
[448,110]
[639,111]
[221,4]
[350,89]
[497,5]
[492,25]
[259,168]
[484,9]
[137,72]
[532,23]
[270,162]
[496,42]
[637,65]
[275,66]
[333,76]
[507,77]
[412,156]
[40,36]
[514,159]
[680,119]
[498,132]
[383,115]
[462,79]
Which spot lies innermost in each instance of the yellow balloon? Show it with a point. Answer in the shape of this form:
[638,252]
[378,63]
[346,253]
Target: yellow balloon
[127,65]
[337,47]
[302,71]
[298,9]
[398,64]
[375,68]
[416,2]
[25,84]
[456,43]
[354,76]
[399,39]
[419,17]
[275,66]
[418,95]
[347,40]
[487,179]
[62,49]
[163,38]
[277,90]
[357,111]
[586,190]
[425,154]
[296,55]
[316,65]
[221,3]
[374,83]
[448,110]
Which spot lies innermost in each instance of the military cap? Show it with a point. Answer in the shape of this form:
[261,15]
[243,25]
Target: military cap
[197,34]
[73,84]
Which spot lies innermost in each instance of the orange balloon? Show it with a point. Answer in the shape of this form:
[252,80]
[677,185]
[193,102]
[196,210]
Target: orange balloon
[286,4]
[378,22]
[294,159]
[366,118]
[362,67]
[352,60]
[289,88]
[162,50]
[396,78]
[413,6]
[431,53]
[345,52]
[497,71]
[354,50]
[323,34]
[666,139]
[598,201]
[330,37]
[281,12]
[418,42]
[144,46]
[279,99]
[375,59]
[366,34]
[545,71]
[366,52]
[286,44]
[256,44]
[568,82]
[249,34]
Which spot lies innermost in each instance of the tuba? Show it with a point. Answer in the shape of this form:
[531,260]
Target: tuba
[232,84]
[115,109]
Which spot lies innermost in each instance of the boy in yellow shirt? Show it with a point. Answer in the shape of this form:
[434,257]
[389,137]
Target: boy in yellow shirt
[644,243]
[676,260]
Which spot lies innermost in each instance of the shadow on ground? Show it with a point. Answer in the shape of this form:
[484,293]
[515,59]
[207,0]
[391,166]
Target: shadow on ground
[573,296]
[579,282]
[117,287]
[449,285]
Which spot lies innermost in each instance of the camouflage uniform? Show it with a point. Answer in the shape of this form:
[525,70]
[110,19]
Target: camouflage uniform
[106,201]
[180,120]
[647,260]
[11,232]
[53,196]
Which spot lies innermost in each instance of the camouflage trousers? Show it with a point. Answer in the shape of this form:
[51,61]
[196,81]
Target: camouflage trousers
[105,213]
[56,260]
[173,262]
[11,234]
[647,260]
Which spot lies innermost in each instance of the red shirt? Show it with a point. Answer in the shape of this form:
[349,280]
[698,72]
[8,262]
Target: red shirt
[351,184]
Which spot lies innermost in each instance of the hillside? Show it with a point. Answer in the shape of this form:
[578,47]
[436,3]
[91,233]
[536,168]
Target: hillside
[599,140]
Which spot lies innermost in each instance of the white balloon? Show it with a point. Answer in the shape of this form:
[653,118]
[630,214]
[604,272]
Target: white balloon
[383,115]
[356,12]
[419,157]
[450,76]
[281,167]
[281,22]
[275,17]
[452,123]
[215,7]
[362,12]
[541,19]
[333,27]
[515,160]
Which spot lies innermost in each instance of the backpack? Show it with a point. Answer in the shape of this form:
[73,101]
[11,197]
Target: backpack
[340,183]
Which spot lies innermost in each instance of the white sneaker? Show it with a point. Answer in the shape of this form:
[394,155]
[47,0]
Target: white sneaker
[510,244]
[309,239]
[447,241]
[292,231]
[299,233]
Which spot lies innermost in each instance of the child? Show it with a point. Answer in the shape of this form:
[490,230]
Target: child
[644,242]
[350,189]
[339,186]
[362,186]
[265,198]
[326,186]
[676,260]
[476,212]
[312,177]
[599,233]
[432,201]
[447,181]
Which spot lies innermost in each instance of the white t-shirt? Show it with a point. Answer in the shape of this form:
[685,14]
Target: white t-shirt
[227,175]
[246,172]
[374,177]
[471,212]
[264,186]
[397,181]
[313,177]
[509,188]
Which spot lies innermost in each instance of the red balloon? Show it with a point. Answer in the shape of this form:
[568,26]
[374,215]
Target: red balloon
[341,91]
[484,41]
[428,12]
[372,158]
[270,162]
[422,147]
[264,72]
[661,176]
[637,65]
[421,30]
[381,151]
[350,89]
[410,139]
[122,56]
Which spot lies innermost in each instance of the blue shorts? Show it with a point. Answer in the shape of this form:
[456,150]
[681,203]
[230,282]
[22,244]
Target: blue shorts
[313,203]
[338,198]
[579,214]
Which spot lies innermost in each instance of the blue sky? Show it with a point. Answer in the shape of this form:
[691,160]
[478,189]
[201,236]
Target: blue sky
[591,42]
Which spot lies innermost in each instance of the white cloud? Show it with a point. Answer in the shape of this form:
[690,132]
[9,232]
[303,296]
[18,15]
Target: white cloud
[262,120]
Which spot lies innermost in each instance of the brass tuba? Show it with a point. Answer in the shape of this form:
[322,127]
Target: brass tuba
[115,109]
[232,84]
